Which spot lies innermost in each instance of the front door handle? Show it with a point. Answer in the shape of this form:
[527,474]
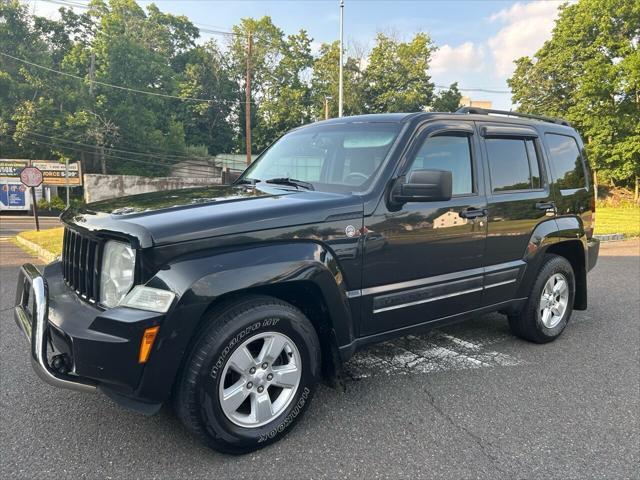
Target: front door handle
[472,212]
[546,206]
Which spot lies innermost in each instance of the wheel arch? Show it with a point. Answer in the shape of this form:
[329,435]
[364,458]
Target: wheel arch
[305,274]
[559,236]
[574,252]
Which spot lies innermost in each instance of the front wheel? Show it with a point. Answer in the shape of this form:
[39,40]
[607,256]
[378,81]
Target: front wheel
[550,304]
[250,376]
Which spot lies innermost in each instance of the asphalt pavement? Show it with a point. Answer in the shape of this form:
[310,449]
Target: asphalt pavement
[11,224]
[467,401]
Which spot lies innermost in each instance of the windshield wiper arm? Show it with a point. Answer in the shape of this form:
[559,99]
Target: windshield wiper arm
[291,181]
[246,181]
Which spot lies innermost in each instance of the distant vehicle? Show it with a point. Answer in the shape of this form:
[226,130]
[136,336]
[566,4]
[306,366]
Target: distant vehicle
[232,302]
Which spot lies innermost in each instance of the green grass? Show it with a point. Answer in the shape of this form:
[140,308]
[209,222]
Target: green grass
[50,239]
[624,220]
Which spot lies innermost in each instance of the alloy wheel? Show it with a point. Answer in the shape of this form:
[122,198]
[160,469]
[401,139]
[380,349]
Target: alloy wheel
[260,379]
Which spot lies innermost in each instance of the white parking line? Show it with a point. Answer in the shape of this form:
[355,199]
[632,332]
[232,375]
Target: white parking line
[433,352]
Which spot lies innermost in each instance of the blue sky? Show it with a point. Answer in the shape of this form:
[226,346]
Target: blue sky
[478,40]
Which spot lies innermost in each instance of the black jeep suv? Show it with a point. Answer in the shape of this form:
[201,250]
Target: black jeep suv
[232,302]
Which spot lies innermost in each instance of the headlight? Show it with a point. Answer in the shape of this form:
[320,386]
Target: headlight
[116,275]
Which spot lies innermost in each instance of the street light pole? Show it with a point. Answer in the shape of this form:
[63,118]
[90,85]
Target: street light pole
[340,85]
[247,93]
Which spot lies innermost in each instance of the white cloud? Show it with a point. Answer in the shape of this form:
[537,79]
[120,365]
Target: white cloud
[466,57]
[526,27]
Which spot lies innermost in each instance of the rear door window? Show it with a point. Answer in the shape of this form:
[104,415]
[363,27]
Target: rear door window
[513,164]
[566,161]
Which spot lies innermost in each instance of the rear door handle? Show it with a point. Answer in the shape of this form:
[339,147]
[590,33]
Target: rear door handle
[546,205]
[472,212]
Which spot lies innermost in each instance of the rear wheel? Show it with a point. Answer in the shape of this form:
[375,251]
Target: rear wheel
[250,376]
[550,303]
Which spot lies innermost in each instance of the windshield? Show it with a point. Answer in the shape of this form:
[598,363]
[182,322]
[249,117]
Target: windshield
[341,157]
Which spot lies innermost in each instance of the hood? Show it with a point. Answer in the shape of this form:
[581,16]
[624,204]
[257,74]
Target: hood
[160,218]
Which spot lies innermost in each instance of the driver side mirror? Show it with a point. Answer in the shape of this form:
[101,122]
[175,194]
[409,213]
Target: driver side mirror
[423,186]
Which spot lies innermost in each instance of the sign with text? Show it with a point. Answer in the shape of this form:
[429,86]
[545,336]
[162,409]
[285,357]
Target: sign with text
[12,195]
[12,168]
[53,173]
[31,176]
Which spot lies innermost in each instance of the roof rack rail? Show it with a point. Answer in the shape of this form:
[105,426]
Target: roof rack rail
[486,111]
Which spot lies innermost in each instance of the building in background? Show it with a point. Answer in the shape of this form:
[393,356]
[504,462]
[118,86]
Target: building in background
[468,102]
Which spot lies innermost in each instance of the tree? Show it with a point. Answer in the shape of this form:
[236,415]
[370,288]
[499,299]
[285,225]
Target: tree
[206,75]
[396,78]
[324,82]
[286,100]
[447,100]
[589,73]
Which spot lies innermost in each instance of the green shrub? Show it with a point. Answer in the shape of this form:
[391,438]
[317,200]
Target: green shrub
[58,203]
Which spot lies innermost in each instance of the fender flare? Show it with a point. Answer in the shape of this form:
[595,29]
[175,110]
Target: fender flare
[203,278]
[551,236]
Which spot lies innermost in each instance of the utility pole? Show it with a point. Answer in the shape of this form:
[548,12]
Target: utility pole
[340,85]
[326,107]
[92,73]
[247,108]
[66,177]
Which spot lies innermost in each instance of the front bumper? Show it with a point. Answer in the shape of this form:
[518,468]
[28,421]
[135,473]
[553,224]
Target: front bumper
[32,304]
[100,347]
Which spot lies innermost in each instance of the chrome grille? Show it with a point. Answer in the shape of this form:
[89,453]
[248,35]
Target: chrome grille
[80,264]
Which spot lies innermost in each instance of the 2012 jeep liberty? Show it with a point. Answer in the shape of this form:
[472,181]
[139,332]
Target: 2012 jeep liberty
[233,302]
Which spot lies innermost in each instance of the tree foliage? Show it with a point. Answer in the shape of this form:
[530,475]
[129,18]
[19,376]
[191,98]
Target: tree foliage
[397,78]
[447,100]
[130,90]
[589,73]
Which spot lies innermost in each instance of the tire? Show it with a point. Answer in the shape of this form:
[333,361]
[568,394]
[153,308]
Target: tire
[534,322]
[258,325]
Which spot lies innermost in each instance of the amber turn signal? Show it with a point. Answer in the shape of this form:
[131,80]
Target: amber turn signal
[148,337]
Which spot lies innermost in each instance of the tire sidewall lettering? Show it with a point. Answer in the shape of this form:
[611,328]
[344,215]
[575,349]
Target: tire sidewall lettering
[291,416]
[218,365]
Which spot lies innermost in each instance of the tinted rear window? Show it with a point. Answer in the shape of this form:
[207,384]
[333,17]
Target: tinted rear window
[566,162]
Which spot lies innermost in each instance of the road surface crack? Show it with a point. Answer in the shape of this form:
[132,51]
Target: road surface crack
[481,443]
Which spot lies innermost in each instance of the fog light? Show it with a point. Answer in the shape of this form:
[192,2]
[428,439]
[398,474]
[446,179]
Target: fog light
[148,298]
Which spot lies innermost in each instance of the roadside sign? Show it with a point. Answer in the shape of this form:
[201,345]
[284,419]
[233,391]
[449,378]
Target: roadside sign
[55,173]
[12,168]
[31,176]
[12,195]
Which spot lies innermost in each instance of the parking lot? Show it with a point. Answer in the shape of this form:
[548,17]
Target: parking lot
[467,401]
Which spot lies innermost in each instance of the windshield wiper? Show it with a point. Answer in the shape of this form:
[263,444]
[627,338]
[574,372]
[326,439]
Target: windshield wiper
[246,181]
[291,181]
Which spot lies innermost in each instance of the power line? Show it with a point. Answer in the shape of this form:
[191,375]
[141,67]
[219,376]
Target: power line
[174,167]
[219,31]
[134,152]
[168,154]
[148,155]
[473,89]
[134,90]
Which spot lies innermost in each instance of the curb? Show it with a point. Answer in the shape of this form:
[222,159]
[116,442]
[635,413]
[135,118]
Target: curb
[43,254]
[610,238]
